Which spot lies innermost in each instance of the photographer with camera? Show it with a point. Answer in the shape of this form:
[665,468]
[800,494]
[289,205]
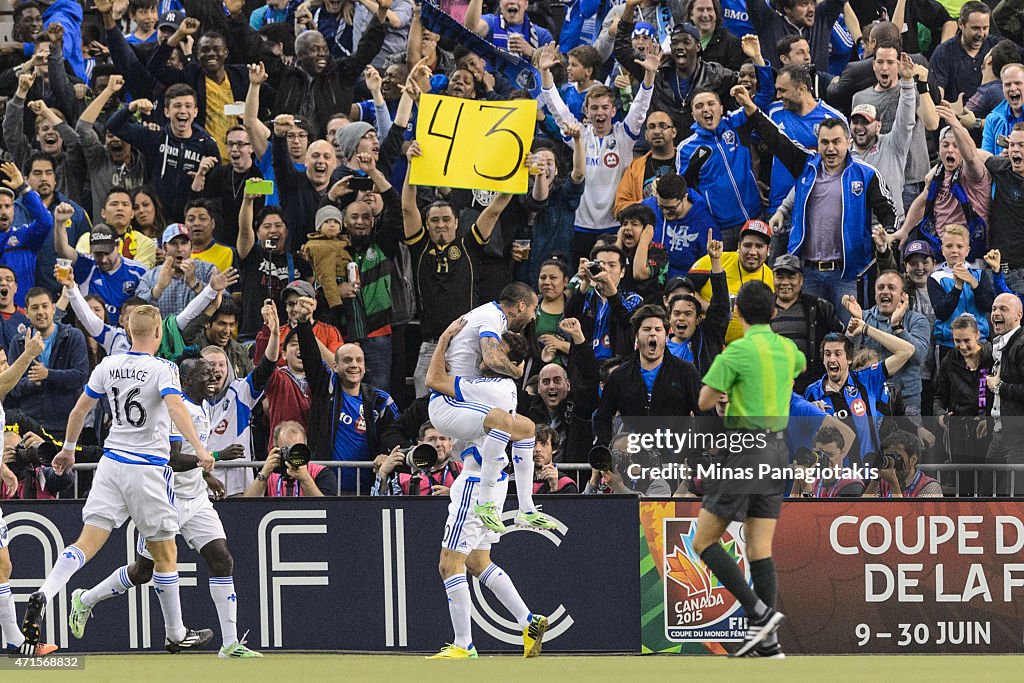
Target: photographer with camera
[830,448]
[28,458]
[288,472]
[600,307]
[612,471]
[425,469]
[546,477]
[898,476]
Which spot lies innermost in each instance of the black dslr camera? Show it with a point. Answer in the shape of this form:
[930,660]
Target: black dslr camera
[606,459]
[421,457]
[595,267]
[886,461]
[810,457]
[35,456]
[296,455]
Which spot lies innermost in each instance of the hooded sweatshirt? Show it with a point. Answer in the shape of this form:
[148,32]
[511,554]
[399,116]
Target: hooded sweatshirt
[169,159]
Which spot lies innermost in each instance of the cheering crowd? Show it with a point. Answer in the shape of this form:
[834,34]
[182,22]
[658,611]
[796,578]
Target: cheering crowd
[245,168]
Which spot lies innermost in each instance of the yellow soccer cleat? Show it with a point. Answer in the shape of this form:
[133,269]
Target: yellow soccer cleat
[533,635]
[450,651]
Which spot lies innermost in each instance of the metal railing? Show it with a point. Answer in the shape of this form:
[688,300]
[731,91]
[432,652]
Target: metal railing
[985,479]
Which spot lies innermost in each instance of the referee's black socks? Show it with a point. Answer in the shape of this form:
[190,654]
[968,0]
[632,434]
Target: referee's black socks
[729,574]
[766,583]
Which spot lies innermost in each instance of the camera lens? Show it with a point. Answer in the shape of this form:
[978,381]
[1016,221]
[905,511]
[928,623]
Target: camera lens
[600,458]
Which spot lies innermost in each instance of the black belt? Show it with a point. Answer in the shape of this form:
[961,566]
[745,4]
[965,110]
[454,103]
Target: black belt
[824,266]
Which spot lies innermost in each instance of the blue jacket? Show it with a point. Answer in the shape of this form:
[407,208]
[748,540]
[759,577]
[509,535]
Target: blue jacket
[46,253]
[863,195]
[999,122]
[51,402]
[865,402]
[18,246]
[68,13]
[950,304]
[684,239]
[726,181]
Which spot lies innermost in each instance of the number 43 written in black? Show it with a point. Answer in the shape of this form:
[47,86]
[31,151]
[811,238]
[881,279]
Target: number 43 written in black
[495,129]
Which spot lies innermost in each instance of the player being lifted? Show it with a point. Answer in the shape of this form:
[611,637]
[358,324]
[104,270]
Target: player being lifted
[478,345]
[467,540]
[8,481]
[200,524]
[133,478]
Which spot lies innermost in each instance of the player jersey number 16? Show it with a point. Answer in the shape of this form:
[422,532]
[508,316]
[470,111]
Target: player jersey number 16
[134,412]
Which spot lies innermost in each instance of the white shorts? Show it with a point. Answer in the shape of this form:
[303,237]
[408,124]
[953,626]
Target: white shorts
[199,522]
[3,531]
[143,492]
[463,531]
[459,420]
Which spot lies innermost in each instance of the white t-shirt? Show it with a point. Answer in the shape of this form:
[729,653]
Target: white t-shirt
[463,354]
[230,418]
[135,384]
[190,484]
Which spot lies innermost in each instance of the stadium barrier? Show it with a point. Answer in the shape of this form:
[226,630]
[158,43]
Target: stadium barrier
[983,479]
[360,574]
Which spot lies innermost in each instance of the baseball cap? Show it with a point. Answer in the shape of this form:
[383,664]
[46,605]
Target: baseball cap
[679,282]
[175,230]
[686,27]
[300,287]
[757,227]
[868,111]
[916,248]
[171,20]
[102,239]
[946,130]
[788,262]
[642,28]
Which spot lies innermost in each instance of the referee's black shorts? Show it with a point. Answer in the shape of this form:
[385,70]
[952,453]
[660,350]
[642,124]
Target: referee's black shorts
[760,498]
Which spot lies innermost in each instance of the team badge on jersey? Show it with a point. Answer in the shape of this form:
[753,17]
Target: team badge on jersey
[858,408]
[454,253]
[611,160]
[729,138]
[857,187]
[851,390]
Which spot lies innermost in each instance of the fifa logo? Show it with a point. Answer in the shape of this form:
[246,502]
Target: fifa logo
[697,607]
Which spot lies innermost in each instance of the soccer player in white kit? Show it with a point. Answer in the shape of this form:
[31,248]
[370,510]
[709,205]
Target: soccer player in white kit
[467,540]
[133,478]
[477,344]
[8,482]
[200,525]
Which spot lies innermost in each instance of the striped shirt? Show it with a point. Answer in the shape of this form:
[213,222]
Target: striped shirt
[757,372]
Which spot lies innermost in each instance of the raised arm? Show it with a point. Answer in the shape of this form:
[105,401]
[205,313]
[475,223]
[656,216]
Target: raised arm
[61,215]
[412,221]
[488,218]
[974,158]
[438,379]
[33,347]
[473,20]
[246,239]
[902,351]
[792,155]
[258,132]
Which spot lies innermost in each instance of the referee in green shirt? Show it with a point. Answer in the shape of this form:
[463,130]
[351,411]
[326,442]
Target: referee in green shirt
[755,373]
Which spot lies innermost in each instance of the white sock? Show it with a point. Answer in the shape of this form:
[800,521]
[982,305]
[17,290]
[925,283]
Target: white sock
[522,464]
[499,583]
[492,456]
[166,587]
[222,590]
[458,605]
[116,584]
[8,619]
[70,561]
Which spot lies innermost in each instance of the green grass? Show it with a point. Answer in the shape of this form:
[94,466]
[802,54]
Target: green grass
[279,668]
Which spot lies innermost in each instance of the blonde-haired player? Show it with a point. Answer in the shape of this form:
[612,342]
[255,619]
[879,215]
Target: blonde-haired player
[133,478]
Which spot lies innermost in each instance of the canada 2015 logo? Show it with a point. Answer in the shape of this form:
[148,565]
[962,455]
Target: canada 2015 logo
[697,607]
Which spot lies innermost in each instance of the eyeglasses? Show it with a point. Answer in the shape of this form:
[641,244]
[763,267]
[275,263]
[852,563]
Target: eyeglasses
[297,136]
[659,126]
[233,143]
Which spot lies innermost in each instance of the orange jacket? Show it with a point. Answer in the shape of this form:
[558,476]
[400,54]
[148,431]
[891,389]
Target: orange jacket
[631,187]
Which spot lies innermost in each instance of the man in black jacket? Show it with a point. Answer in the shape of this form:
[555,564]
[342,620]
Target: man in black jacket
[1007,382]
[346,415]
[803,318]
[319,86]
[652,383]
[811,20]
